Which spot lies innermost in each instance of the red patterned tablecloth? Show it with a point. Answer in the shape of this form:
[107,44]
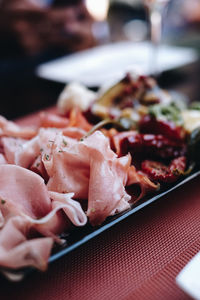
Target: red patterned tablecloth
[136,259]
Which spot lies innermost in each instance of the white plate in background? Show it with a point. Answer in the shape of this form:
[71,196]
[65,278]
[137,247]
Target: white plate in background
[189,278]
[98,65]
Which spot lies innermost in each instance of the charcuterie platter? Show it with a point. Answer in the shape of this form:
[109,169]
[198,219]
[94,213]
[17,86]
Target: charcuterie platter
[98,159]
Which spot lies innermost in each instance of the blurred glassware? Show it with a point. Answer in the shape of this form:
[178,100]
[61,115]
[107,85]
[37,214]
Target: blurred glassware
[155,9]
[136,30]
[99,11]
[181,26]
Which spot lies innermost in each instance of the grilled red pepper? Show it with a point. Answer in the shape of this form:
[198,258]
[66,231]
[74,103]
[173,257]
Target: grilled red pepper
[169,129]
[142,146]
[159,172]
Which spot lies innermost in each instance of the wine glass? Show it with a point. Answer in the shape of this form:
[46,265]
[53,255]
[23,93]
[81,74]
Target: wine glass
[155,10]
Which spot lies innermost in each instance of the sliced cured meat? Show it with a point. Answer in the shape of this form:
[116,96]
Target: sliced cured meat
[27,206]
[11,146]
[52,120]
[22,192]
[106,188]
[108,175]
[26,154]
[55,222]
[71,207]
[74,132]
[71,168]
[2,159]
[69,173]
[76,119]
[141,180]
[91,170]
[8,128]
[19,151]
[16,251]
[38,167]
[29,197]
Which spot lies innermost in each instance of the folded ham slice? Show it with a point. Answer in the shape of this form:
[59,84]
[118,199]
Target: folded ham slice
[10,147]
[27,206]
[141,180]
[107,194]
[23,192]
[16,251]
[2,159]
[74,132]
[8,128]
[91,170]
[52,120]
[72,208]
[76,119]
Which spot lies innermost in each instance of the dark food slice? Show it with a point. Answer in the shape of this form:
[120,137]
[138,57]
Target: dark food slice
[143,146]
[159,172]
[169,129]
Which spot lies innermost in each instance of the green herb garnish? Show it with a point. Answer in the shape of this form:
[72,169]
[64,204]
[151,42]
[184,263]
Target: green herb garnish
[165,112]
[47,157]
[64,142]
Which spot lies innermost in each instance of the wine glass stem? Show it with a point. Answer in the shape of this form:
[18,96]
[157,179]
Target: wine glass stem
[156,33]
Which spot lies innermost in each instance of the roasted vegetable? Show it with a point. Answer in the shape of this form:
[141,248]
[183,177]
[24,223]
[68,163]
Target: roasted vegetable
[102,106]
[148,146]
[161,173]
[130,94]
[149,124]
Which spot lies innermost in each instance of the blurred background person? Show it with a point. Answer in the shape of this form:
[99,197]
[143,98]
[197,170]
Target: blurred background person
[31,27]
[32,32]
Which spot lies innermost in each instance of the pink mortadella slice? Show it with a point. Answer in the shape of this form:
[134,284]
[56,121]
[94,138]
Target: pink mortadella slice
[17,251]
[91,170]
[26,205]
[10,129]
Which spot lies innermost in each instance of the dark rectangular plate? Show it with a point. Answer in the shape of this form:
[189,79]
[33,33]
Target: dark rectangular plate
[79,236]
